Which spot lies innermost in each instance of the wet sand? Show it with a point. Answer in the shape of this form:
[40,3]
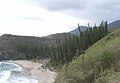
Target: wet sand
[36,71]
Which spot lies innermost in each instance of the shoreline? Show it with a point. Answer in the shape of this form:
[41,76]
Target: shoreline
[35,71]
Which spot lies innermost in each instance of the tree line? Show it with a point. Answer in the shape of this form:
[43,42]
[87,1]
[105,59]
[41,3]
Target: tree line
[76,44]
[62,53]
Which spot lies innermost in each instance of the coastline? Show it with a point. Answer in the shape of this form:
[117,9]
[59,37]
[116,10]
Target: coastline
[36,71]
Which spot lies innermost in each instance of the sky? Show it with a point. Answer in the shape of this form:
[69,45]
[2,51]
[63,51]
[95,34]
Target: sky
[45,17]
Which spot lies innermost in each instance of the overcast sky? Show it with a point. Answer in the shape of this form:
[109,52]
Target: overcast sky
[44,17]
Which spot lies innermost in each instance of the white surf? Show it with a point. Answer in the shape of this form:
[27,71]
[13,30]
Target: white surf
[12,73]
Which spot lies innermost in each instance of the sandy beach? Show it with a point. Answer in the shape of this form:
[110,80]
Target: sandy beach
[35,70]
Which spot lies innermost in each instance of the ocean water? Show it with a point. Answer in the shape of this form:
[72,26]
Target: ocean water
[13,73]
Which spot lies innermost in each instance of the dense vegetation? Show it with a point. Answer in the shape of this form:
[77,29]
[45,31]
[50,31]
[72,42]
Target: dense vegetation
[33,51]
[99,64]
[76,44]
[61,53]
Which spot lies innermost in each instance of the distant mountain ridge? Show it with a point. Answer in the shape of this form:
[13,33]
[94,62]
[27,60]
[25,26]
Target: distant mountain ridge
[115,24]
[76,31]
[112,25]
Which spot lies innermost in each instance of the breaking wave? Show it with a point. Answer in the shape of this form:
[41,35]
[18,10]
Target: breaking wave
[13,73]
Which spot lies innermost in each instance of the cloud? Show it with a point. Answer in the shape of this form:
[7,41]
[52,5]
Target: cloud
[62,4]
[24,18]
[92,10]
[53,23]
[30,18]
[44,17]
[21,17]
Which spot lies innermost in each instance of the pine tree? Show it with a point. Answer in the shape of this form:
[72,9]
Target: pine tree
[106,28]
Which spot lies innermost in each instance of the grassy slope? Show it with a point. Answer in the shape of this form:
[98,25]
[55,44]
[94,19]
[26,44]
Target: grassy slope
[87,67]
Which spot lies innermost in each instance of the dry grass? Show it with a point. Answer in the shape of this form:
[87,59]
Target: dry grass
[86,68]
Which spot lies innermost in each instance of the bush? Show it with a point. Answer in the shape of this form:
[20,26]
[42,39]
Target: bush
[107,60]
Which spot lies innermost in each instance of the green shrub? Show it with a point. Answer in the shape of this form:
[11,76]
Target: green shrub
[107,60]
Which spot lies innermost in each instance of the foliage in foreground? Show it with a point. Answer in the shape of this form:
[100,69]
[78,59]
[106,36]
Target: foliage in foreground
[99,64]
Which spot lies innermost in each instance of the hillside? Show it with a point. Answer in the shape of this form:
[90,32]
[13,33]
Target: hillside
[99,64]
[8,43]
[114,24]
[59,36]
[76,31]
